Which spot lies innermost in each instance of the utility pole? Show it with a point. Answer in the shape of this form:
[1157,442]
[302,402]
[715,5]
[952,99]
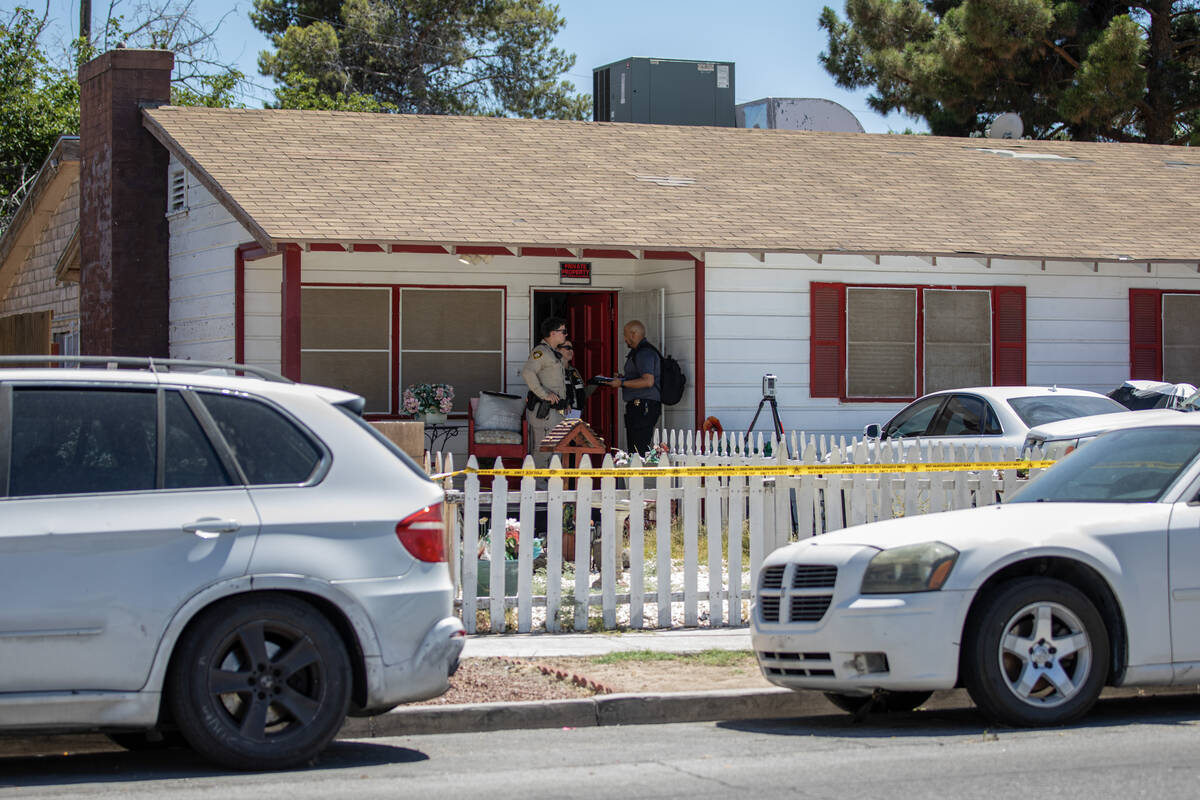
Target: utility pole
[85,21]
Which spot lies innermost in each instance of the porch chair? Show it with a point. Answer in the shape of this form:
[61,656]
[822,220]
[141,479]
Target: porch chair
[496,428]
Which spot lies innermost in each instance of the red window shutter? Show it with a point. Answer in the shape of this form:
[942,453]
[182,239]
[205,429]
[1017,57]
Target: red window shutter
[827,339]
[1008,336]
[1145,334]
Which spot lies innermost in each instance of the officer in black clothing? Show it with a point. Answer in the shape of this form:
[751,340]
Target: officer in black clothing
[577,391]
[639,389]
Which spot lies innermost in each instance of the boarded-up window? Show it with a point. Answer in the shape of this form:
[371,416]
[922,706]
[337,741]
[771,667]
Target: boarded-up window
[453,336]
[958,339]
[1180,338]
[881,342]
[345,341]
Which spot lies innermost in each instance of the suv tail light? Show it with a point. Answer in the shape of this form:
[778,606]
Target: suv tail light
[423,534]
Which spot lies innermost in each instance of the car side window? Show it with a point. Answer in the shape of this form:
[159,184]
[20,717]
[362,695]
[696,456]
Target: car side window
[962,415]
[80,441]
[190,460]
[914,420]
[992,426]
[269,447]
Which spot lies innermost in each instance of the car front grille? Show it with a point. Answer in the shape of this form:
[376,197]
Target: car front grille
[813,576]
[796,665]
[803,600]
[772,577]
[809,608]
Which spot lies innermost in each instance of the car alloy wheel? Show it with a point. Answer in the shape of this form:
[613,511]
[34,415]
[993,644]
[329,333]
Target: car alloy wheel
[260,683]
[1045,654]
[1039,655]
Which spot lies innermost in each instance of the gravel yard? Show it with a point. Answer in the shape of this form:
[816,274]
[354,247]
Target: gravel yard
[487,680]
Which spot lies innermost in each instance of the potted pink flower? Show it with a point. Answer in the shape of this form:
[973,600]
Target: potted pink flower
[428,401]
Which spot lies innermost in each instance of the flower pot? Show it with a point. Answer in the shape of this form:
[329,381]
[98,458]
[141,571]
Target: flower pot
[483,578]
[432,417]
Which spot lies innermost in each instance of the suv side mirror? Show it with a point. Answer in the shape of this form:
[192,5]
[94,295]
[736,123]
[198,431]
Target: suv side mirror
[872,431]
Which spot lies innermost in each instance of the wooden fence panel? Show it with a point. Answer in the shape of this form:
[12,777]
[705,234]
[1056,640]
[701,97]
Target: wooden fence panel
[663,519]
[713,527]
[525,553]
[609,552]
[637,547]
[583,541]
[496,537]
[554,549]
[470,562]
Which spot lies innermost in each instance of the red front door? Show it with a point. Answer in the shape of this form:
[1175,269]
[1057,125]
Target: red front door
[590,325]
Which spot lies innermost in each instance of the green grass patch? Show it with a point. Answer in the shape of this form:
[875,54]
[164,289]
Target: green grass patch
[712,658]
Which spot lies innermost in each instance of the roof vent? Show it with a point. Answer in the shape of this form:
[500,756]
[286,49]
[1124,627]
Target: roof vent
[177,192]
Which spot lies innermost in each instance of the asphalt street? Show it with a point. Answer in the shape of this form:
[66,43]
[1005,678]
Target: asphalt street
[1128,747]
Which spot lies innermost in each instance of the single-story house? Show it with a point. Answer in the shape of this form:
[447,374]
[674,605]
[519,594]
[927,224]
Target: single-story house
[39,261]
[374,251]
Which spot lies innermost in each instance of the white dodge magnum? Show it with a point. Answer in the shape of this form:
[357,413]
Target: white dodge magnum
[1089,576]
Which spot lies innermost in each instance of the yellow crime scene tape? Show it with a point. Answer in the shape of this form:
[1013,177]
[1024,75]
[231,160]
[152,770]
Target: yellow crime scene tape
[760,469]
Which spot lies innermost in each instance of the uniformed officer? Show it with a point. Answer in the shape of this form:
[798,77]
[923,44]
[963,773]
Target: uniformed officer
[545,376]
[639,388]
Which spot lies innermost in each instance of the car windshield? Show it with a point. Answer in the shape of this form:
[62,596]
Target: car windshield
[1040,409]
[1130,466]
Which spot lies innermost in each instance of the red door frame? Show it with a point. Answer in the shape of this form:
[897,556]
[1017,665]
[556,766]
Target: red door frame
[597,359]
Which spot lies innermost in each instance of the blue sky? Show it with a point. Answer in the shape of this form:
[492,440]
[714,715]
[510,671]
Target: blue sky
[774,44]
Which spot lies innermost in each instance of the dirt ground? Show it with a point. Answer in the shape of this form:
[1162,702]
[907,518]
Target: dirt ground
[488,680]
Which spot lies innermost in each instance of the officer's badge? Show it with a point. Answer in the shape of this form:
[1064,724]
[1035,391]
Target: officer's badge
[537,353]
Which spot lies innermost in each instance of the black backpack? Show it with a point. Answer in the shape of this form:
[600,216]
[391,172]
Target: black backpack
[671,379]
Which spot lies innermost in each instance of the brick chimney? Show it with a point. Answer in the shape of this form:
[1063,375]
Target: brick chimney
[123,298]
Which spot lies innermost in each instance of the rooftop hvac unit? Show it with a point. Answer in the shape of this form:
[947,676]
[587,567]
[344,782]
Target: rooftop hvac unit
[664,92]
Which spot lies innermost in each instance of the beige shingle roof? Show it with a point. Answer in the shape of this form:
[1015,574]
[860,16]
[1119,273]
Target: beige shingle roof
[312,176]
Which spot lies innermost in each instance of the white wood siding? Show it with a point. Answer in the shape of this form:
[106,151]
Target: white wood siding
[204,238]
[1077,326]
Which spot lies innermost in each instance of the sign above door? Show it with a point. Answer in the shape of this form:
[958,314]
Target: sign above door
[575,273]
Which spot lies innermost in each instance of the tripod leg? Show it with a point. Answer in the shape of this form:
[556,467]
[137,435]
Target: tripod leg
[756,413]
[775,415]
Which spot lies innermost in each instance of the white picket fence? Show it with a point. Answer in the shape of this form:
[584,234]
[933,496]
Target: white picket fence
[713,588]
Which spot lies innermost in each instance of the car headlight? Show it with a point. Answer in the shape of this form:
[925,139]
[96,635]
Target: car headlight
[912,568]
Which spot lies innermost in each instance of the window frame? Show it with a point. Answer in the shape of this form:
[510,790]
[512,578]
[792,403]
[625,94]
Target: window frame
[1146,330]
[395,345]
[828,359]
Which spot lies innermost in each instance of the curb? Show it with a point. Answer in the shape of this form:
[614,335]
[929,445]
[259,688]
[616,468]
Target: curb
[607,709]
[648,709]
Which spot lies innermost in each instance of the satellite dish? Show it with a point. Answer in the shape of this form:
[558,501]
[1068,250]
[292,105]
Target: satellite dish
[1006,126]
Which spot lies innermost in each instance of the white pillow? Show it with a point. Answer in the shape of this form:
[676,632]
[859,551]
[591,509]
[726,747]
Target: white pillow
[496,411]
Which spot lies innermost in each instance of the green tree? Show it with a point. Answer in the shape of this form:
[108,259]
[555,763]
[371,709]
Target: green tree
[1088,70]
[38,103]
[419,56]
[39,91]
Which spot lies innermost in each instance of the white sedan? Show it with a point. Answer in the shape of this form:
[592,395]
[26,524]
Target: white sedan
[989,416]
[1089,576]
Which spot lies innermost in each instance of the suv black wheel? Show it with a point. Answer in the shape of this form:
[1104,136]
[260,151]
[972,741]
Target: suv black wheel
[260,683]
[1038,655]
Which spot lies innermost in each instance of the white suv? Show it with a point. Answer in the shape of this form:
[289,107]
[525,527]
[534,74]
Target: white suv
[233,562]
